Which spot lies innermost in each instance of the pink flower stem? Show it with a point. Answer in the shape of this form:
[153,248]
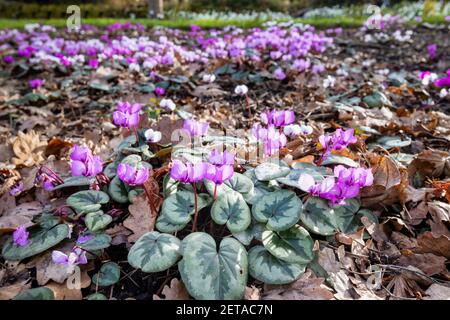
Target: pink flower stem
[247,99]
[194,224]
[137,135]
[215,191]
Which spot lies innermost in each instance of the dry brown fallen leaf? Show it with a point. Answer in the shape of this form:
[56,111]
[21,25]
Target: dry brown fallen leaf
[119,234]
[63,292]
[428,242]
[141,219]
[9,292]
[28,149]
[437,292]
[176,291]
[305,288]
[252,293]
[20,215]
[429,263]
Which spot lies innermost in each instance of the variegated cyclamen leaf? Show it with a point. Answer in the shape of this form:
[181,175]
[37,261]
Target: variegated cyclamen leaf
[165,225]
[40,241]
[269,171]
[118,190]
[134,193]
[87,201]
[75,182]
[108,275]
[232,210]
[111,169]
[179,207]
[170,186]
[154,252]
[280,210]
[294,245]
[269,269]
[336,159]
[321,218]
[254,231]
[98,242]
[238,182]
[211,274]
[41,293]
[98,220]
[291,179]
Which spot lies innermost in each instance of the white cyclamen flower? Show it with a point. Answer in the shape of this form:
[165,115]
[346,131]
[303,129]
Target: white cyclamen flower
[152,135]
[443,93]
[167,104]
[209,78]
[294,130]
[329,82]
[241,90]
[429,78]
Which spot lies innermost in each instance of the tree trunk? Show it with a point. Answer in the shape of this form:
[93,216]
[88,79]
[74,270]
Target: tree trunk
[155,9]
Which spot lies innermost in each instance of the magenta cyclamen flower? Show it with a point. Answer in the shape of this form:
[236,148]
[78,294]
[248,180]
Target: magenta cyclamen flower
[20,236]
[75,257]
[271,138]
[278,118]
[443,82]
[83,163]
[338,141]
[84,238]
[127,115]
[195,128]
[8,59]
[133,176]
[188,172]
[93,63]
[35,83]
[345,184]
[16,189]
[160,91]
[219,174]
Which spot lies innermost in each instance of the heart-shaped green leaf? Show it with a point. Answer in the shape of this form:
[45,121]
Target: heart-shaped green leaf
[211,274]
[294,245]
[170,186]
[75,182]
[239,183]
[96,296]
[98,242]
[232,210]
[335,159]
[254,231]
[41,293]
[265,267]
[118,190]
[40,241]
[154,252]
[280,210]
[96,221]
[321,218]
[87,201]
[165,225]
[271,170]
[108,275]
[179,207]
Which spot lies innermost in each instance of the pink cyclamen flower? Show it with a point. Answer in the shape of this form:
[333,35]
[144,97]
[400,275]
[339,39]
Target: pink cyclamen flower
[127,115]
[338,141]
[8,59]
[195,128]
[219,174]
[219,159]
[354,176]
[279,74]
[35,83]
[16,189]
[188,172]
[278,118]
[132,175]
[432,50]
[84,238]
[83,163]
[20,236]
[75,257]
[160,91]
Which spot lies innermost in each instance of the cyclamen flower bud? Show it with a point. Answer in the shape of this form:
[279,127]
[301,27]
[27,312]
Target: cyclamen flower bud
[209,78]
[167,104]
[35,83]
[241,90]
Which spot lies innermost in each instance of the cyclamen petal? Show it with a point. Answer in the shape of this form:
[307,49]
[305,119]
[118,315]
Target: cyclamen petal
[306,182]
[59,257]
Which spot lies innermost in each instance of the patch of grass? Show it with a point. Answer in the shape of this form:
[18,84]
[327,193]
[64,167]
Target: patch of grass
[345,22]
